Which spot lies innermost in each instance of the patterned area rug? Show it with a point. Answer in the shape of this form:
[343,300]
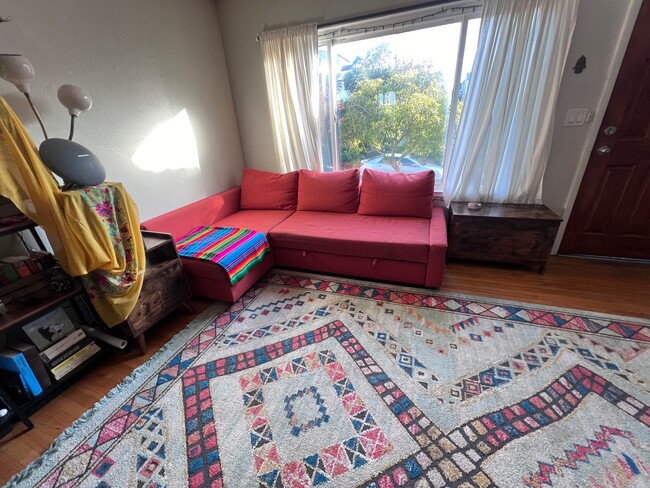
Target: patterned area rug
[319,381]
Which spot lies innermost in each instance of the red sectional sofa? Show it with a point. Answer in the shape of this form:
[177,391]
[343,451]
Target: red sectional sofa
[384,228]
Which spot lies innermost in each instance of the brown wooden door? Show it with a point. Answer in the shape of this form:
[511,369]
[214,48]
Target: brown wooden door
[611,214]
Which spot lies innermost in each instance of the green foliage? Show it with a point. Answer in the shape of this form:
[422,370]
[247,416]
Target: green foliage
[378,63]
[393,107]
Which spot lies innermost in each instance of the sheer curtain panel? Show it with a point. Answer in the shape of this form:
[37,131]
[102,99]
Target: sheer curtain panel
[291,68]
[505,132]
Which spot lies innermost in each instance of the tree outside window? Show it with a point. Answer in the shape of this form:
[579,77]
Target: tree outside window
[391,108]
[387,101]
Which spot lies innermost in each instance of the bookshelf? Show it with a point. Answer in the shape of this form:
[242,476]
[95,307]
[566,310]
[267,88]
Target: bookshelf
[27,224]
[29,299]
[19,315]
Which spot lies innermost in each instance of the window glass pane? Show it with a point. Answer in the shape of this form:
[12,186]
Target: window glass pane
[324,101]
[471,44]
[393,97]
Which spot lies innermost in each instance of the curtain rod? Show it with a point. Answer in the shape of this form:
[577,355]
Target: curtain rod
[397,10]
[382,28]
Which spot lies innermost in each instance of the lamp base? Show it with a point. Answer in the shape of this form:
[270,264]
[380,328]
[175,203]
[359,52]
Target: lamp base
[74,163]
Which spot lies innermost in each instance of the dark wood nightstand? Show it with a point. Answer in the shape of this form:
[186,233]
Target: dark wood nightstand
[508,233]
[165,287]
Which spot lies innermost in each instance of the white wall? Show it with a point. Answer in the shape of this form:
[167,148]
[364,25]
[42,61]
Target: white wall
[143,62]
[601,34]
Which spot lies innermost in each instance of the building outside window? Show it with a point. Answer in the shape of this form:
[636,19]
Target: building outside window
[392,90]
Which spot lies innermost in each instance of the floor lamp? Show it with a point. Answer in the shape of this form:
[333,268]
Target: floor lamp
[75,164]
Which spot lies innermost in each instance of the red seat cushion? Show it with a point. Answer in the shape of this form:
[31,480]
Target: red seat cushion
[263,190]
[260,220]
[337,191]
[398,194]
[399,238]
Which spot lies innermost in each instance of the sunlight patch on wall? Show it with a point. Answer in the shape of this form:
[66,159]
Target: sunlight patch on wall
[169,146]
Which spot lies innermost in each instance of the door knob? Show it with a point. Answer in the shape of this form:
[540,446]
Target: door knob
[602,150]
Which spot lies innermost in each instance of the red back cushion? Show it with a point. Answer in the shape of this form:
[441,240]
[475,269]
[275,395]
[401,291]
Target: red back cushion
[329,192]
[397,194]
[263,190]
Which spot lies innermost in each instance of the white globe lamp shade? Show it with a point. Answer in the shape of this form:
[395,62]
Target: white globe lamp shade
[16,69]
[75,99]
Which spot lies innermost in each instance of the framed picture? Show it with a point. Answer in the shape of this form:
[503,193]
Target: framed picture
[48,329]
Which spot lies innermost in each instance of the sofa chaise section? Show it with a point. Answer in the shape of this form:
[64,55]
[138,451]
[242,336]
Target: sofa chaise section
[207,279]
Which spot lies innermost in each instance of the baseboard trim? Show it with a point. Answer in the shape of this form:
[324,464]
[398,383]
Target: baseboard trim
[606,258]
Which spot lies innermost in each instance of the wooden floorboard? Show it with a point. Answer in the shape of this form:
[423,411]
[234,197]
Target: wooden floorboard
[614,287]
[601,286]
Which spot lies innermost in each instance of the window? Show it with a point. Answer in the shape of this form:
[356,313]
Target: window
[392,89]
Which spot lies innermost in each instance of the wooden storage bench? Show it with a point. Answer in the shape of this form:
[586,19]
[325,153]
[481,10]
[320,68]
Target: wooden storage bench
[164,288]
[507,233]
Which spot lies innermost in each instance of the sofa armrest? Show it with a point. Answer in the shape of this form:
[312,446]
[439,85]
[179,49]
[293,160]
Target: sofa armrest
[437,249]
[206,211]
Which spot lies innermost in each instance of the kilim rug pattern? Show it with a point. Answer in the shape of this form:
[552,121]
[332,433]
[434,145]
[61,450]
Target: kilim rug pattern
[320,381]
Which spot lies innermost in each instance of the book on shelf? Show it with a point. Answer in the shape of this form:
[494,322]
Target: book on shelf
[33,265]
[22,269]
[49,329]
[42,259]
[15,361]
[49,354]
[74,361]
[22,265]
[9,273]
[4,281]
[67,353]
[34,360]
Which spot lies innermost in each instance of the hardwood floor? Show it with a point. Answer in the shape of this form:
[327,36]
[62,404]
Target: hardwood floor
[602,286]
[615,287]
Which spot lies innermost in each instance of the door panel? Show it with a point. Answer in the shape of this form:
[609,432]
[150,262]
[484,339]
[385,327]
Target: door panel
[636,122]
[611,214]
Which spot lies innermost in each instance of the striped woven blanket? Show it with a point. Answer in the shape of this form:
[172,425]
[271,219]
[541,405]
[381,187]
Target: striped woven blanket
[235,250]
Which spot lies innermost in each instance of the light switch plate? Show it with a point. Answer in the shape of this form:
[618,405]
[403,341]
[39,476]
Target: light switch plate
[576,117]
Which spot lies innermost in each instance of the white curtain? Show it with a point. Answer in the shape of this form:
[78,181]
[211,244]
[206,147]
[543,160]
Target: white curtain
[505,132]
[291,68]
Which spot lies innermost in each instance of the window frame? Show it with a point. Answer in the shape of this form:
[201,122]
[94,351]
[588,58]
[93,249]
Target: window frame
[327,41]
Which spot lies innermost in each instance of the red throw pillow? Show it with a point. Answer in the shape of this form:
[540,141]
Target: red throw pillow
[397,194]
[329,192]
[263,190]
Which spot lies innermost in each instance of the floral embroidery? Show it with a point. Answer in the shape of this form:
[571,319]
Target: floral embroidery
[105,210]
[100,284]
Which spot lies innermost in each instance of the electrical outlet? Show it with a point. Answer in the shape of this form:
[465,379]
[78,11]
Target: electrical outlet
[576,117]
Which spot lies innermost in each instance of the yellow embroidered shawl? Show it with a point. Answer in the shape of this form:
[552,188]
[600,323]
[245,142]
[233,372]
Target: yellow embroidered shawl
[94,232]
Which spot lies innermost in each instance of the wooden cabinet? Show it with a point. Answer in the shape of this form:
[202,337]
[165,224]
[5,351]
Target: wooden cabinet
[508,233]
[164,288]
